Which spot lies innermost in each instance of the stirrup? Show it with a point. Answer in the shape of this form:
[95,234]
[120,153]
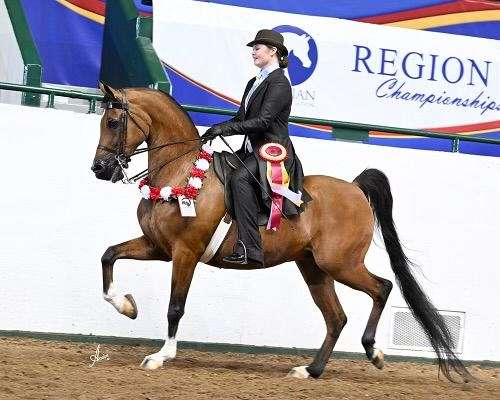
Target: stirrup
[244,249]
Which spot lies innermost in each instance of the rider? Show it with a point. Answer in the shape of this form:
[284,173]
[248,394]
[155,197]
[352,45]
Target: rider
[262,118]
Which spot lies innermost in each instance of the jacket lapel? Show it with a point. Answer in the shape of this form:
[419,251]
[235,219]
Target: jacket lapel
[262,85]
[255,93]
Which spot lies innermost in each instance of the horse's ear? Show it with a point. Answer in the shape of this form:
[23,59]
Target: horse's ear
[108,90]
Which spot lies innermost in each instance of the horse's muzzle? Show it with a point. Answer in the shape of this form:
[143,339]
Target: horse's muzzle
[107,170]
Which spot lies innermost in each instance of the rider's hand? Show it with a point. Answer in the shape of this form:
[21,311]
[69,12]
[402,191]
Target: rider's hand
[211,134]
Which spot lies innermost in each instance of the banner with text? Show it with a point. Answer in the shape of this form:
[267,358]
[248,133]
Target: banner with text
[339,69]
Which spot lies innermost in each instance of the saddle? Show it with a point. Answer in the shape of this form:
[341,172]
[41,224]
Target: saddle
[224,164]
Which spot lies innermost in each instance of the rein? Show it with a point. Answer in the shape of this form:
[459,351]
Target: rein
[121,157]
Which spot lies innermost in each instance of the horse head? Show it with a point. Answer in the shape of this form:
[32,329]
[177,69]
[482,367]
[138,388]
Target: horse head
[124,126]
[299,44]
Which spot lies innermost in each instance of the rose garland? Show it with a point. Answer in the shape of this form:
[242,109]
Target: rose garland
[193,186]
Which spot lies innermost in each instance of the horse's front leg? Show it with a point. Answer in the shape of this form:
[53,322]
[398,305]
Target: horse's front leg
[184,264]
[140,248]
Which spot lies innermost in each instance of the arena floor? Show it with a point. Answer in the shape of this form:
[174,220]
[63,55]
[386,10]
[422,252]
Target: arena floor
[38,369]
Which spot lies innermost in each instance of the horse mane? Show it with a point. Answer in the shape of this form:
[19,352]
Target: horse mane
[107,99]
[175,102]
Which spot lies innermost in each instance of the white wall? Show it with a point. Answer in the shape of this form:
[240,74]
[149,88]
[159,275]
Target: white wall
[11,62]
[57,220]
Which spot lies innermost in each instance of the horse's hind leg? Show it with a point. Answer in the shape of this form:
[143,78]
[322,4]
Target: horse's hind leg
[378,289]
[323,292]
[137,249]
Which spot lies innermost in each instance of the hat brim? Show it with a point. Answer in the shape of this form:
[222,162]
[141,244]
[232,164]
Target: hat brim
[283,50]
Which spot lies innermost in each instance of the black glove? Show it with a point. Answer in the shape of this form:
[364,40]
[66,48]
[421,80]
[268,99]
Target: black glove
[211,134]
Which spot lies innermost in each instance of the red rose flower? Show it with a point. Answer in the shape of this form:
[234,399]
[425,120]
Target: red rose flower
[177,191]
[143,182]
[203,154]
[154,193]
[197,173]
[190,192]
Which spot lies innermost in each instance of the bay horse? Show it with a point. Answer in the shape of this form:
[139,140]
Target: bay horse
[328,241]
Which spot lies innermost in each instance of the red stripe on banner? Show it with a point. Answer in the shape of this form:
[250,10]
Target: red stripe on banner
[95,6]
[204,87]
[468,128]
[440,9]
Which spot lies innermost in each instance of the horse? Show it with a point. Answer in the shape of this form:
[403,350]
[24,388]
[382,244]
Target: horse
[328,241]
[299,45]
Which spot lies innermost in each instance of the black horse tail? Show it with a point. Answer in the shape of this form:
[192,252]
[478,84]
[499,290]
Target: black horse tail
[377,190]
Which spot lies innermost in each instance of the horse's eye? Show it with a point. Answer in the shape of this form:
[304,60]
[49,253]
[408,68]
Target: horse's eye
[113,123]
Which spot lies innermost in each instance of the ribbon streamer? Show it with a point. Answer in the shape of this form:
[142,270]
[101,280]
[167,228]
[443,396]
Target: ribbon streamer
[279,180]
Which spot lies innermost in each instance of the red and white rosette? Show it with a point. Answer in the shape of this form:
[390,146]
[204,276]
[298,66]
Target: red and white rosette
[275,154]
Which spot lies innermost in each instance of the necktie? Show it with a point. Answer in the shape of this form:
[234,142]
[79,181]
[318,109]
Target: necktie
[257,82]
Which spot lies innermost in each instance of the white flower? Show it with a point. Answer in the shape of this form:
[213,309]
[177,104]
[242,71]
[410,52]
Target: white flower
[165,193]
[195,182]
[145,191]
[202,164]
[206,147]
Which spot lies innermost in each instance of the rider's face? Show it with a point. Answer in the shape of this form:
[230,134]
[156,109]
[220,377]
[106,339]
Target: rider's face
[262,55]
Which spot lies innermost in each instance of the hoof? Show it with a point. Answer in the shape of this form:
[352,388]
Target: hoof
[129,307]
[378,358]
[152,362]
[299,372]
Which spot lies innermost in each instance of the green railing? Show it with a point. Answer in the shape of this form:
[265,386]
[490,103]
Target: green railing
[52,93]
[340,129]
[359,132]
[32,74]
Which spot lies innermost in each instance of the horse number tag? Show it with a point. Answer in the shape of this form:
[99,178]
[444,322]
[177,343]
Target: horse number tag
[187,206]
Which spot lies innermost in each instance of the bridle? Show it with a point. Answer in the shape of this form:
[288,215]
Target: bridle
[120,156]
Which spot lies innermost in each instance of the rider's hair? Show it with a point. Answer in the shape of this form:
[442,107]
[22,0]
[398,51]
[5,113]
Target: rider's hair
[282,60]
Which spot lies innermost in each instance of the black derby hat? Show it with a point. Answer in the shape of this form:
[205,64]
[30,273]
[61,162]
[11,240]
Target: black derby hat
[271,38]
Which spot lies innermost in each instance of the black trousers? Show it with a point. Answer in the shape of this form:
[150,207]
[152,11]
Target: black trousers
[244,190]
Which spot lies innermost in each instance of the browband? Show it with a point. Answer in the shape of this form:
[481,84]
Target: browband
[114,104]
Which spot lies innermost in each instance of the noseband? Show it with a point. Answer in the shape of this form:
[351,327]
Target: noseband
[120,156]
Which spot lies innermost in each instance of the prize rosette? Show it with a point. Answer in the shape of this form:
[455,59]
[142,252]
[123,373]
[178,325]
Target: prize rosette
[275,154]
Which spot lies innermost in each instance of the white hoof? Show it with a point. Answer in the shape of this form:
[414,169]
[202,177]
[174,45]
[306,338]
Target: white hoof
[123,304]
[299,372]
[166,353]
[152,362]
[129,308]
[378,358]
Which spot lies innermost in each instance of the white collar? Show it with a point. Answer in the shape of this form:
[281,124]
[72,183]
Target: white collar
[264,72]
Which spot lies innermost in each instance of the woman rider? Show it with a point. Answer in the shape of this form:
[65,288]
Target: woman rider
[262,118]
